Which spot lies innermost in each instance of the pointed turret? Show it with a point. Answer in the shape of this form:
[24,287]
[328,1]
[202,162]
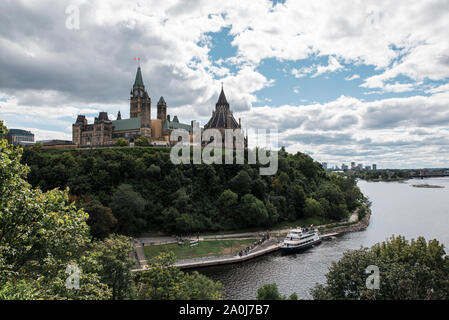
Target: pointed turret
[162,109]
[162,101]
[138,83]
[119,115]
[222,116]
[222,99]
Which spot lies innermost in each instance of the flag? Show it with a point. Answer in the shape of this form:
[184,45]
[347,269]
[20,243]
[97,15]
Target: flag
[137,59]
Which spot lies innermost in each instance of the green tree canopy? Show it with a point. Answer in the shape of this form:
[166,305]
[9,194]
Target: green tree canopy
[186,198]
[122,142]
[162,281]
[241,183]
[253,211]
[413,269]
[101,220]
[41,234]
[142,142]
[114,256]
[271,292]
[313,208]
[127,206]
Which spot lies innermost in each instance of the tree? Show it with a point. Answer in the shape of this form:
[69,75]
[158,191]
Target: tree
[114,255]
[271,292]
[227,203]
[297,195]
[163,281]
[187,195]
[337,209]
[413,269]
[252,211]
[101,220]
[122,142]
[41,234]
[241,183]
[142,142]
[128,206]
[313,208]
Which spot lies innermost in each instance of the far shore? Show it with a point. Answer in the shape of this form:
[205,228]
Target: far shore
[425,185]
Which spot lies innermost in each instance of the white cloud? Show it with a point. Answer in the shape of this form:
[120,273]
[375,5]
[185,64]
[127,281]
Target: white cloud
[317,70]
[353,77]
[333,65]
[303,72]
[388,132]
[50,74]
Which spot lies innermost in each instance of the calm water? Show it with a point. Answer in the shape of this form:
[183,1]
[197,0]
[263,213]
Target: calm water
[398,208]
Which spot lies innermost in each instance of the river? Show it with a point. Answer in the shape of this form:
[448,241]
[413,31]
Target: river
[397,208]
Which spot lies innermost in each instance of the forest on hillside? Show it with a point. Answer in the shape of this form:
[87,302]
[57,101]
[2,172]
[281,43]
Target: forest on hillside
[130,190]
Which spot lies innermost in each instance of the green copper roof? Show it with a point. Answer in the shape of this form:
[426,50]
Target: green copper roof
[161,101]
[172,125]
[127,124]
[138,83]
[20,132]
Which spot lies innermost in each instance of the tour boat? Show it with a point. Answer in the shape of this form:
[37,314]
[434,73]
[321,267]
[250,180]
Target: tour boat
[300,238]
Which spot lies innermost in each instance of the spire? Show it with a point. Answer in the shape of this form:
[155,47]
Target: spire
[138,83]
[161,101]
[119,115]
[222,99]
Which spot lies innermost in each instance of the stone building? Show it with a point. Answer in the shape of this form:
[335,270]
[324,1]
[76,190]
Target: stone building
[104,132]
[223,118]
[20,137]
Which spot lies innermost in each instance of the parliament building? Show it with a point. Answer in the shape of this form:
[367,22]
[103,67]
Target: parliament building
[104,132]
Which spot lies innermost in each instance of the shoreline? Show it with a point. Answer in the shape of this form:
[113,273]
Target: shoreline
[356,227]
[222,260]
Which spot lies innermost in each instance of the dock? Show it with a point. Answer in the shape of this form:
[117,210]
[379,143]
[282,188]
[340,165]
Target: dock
[220,260]
[333,231]
[329,235]
[230,260]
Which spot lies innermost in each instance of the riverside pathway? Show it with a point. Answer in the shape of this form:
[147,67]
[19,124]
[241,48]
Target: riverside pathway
[267,247]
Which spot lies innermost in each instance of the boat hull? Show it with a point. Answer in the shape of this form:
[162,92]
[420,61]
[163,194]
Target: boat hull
[287,250]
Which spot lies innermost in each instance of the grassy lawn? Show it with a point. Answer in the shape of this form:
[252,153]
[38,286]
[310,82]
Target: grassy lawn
[203,249]
[305,222]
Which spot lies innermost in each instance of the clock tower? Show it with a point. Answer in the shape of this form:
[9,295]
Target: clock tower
[140,105]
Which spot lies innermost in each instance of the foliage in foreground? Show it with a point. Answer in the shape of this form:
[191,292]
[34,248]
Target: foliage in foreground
[162,281]
[413,269]
[42,235]
[271,292]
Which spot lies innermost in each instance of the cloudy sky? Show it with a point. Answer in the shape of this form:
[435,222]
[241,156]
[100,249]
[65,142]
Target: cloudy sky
[363,81]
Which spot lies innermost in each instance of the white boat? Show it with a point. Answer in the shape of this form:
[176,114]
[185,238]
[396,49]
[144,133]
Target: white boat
[300,238]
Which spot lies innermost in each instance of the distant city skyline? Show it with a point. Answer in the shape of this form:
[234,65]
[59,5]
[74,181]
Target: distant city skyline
[367,81]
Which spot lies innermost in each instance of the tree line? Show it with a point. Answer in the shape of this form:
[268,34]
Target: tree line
[130,190]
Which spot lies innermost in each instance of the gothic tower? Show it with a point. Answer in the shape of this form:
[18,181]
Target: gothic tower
[162,109]
[140,105]
[222,119]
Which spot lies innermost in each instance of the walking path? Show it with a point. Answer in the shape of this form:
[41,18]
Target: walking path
[141,258]
[266,247]
[354,217]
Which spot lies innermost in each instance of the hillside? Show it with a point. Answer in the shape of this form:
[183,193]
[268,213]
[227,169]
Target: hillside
[144,191]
